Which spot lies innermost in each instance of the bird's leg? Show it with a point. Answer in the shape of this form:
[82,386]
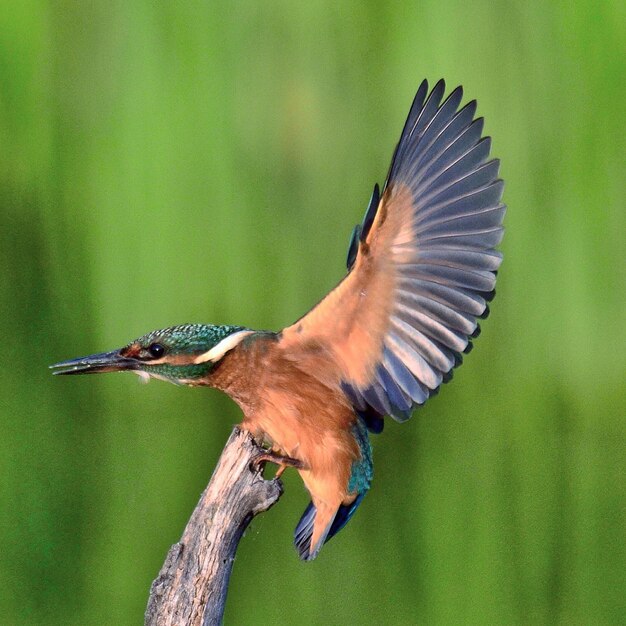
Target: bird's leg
[282,461]
[280,470]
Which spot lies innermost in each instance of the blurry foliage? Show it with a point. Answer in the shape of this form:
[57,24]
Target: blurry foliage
[172,162]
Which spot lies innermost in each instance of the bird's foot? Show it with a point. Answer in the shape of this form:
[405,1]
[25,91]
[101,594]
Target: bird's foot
[282,461]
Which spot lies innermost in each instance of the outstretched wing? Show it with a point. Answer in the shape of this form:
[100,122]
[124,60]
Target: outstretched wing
[421,267]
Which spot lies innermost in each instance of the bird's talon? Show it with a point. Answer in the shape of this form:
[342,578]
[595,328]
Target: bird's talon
[282,461]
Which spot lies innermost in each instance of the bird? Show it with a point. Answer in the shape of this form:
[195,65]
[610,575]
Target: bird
[421,272]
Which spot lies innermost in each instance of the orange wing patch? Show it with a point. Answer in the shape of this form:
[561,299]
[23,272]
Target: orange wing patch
[352,320]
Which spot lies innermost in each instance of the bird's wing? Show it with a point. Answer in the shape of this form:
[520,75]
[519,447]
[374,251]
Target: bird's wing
[421,267]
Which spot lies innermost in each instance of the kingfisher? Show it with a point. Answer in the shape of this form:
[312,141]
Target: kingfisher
[421,270]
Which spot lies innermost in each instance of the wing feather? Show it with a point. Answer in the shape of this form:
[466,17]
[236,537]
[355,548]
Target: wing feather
[421,266]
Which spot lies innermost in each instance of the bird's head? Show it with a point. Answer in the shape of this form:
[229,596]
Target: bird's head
[179,354]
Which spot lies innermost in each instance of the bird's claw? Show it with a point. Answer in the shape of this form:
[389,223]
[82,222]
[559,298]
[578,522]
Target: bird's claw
[282,461]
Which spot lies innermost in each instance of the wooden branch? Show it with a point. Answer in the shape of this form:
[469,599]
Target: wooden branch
[192,584]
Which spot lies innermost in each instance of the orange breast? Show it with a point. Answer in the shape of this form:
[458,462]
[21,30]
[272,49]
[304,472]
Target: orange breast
[296,404]
[308,420]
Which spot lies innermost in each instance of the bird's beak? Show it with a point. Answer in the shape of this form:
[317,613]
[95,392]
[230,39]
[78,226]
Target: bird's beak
[95,364]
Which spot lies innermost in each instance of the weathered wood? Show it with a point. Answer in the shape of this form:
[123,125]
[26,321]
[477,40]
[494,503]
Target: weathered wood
[192,584]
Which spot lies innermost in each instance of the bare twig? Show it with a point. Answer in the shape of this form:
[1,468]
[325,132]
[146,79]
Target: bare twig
[192,584]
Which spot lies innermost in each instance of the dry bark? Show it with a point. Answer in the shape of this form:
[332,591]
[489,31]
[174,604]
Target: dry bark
[192,584]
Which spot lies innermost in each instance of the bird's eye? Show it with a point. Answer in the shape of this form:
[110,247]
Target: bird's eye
[156,350]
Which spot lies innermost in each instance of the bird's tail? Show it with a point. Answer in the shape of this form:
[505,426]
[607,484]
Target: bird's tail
[316,527]
[303,536]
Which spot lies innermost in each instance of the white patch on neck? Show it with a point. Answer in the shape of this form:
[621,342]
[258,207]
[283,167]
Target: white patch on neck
[144,376]
[219,350]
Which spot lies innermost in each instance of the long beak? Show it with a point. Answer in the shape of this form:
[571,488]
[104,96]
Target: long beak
[95,364]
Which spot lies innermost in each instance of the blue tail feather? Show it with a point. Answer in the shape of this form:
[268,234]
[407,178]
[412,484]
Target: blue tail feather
[344,513]
[304,529]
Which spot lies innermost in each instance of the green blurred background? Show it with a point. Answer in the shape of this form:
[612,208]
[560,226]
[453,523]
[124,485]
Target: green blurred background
[170,162]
